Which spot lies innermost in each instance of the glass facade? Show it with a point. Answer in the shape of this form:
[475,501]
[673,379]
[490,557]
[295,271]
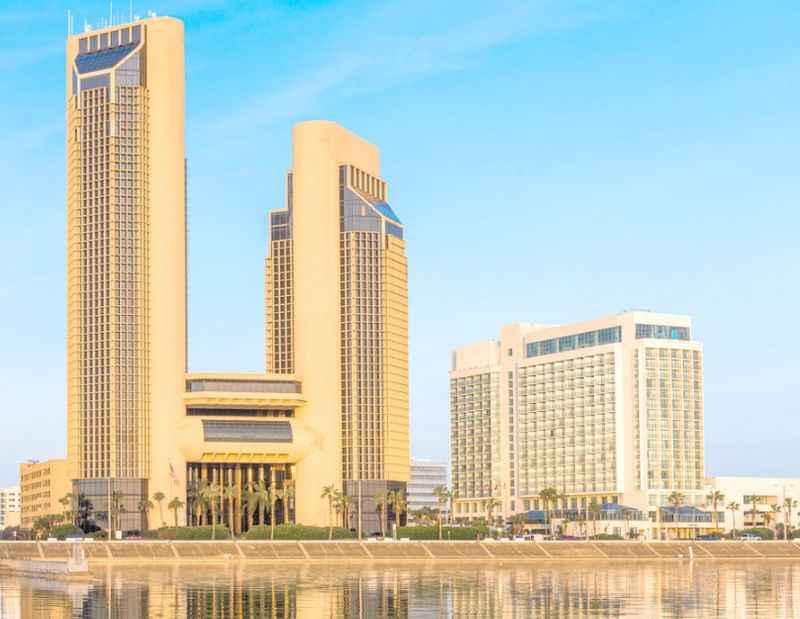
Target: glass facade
[661,332]
[123,495]
[611,335]
[247,431]
[103,59]
[243,386]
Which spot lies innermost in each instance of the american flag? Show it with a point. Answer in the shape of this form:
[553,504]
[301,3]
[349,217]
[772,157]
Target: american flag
[173,475]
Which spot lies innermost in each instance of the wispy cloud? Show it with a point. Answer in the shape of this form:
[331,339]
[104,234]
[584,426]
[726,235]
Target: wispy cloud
[395,41]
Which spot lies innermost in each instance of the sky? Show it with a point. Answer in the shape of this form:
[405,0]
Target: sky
[551,161]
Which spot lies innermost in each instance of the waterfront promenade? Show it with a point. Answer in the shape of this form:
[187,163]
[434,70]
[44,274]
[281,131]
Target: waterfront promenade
[101,552]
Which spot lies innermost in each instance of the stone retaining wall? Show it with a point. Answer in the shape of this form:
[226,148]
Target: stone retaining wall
[172,551]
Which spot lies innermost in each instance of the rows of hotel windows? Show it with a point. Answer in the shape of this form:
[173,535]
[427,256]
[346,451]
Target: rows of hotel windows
[599,337]
[673,396]
[474,440]
[567,425]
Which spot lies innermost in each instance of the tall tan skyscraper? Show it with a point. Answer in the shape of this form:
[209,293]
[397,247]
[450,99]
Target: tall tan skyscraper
[337,313]
[333,407]
[126,258]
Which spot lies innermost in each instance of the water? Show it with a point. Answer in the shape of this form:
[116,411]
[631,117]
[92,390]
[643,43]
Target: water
[575,589]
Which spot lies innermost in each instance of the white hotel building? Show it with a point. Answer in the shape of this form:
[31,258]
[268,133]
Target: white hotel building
[609,409]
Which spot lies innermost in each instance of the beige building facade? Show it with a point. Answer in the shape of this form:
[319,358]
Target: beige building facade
[337,315]
[607,411]
[126,259]
[756,501]
[332,408]
[42,485]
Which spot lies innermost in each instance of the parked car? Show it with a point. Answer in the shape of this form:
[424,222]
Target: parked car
[708,538]
[749,537]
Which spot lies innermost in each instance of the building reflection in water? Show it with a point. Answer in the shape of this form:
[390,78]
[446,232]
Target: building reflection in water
[675,589]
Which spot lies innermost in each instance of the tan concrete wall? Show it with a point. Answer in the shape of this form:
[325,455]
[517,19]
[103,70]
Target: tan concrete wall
[167,265]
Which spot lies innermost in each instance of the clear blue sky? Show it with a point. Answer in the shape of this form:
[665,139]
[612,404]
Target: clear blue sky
[552,161]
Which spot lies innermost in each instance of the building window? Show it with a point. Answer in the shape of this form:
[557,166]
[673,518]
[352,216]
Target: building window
[661,332]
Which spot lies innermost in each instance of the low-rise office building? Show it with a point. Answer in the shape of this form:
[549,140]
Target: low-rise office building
[426,476]
[755,501]
[608,411]
[42,485]
[9,507]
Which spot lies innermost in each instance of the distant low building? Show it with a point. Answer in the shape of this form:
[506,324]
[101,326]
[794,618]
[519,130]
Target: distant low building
[426,475]
[42,484]
[9,505]
[767,492]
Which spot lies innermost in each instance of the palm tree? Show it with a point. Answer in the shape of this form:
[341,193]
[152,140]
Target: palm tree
[775,509]
[144,506]
[329,492]
[442,496]
[159,497]
[788,505]
[755,500]
[262,505]
[396,499]
[272,496]
[229,494]
[676,498]
[768,516]
[714,497]
[210,493]
[517,523]
[594,513]
[198,501]
[345,501]
[252,499]
[116,509]
[380,505]
[547,495]
[287,497]
[175,504]
[490,505]
[338,506]
[66,503]
[733,507]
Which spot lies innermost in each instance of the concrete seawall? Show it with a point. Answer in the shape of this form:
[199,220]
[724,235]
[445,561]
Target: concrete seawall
[325,551]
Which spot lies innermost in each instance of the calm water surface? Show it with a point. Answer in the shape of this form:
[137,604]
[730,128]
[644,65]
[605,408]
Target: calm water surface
[702,589]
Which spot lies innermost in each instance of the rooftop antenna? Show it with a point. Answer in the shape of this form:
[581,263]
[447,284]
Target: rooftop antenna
[131,10]
[111,12]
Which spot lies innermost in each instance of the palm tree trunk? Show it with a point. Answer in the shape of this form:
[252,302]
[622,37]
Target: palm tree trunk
[272,519]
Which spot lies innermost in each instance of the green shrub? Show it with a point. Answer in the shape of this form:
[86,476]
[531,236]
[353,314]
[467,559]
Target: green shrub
[297,532]
[193,533]
[151,534]
[607,536]
[60,531]
[98,535]
[448,533]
